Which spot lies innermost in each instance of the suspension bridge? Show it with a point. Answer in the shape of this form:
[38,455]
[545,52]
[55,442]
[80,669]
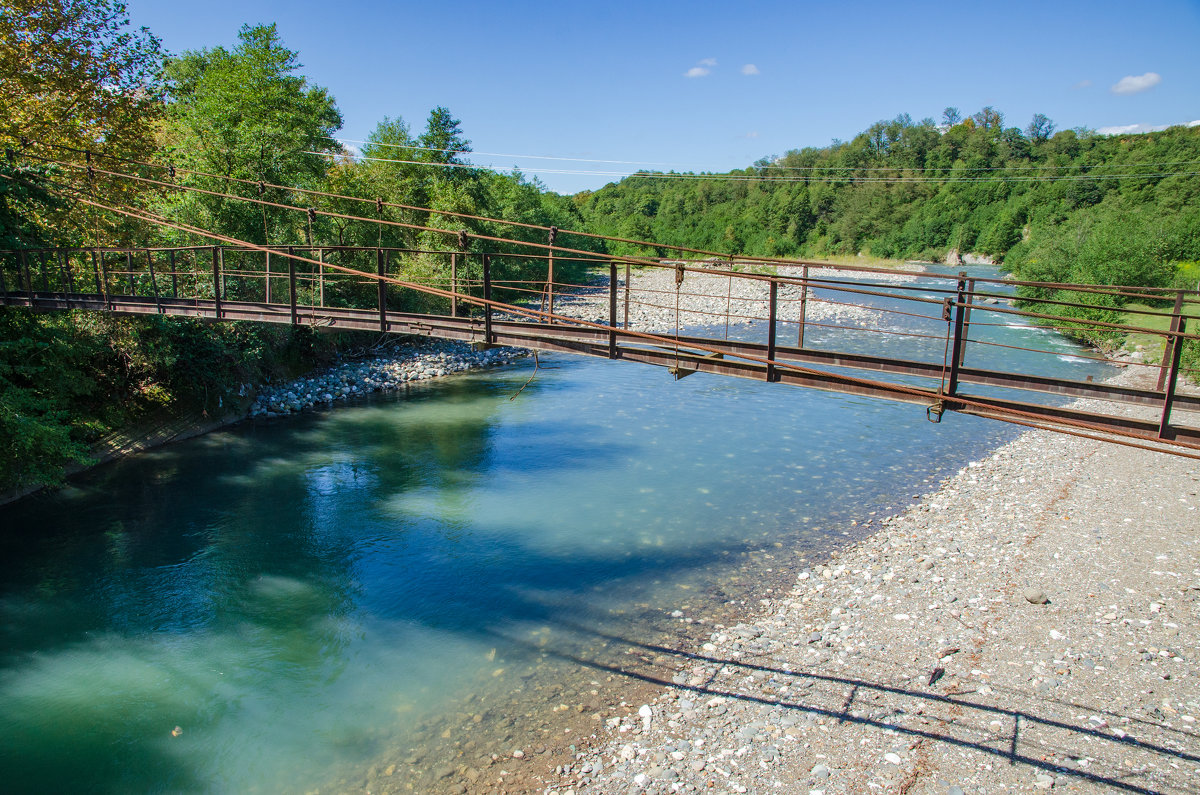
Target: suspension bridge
[920,338]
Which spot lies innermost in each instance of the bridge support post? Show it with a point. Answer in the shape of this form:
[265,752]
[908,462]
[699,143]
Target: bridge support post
[772,314]
[129,272]
[28,280]
[96,271]
[1171,343]
[550,275]
[381,263]
[612,310]
[956,350]
[216,270]
[267,278]
[803,306]
[628,284]
[453,284]
[292,285]
[970,301]
[154,281]
[1164,425]
[174,274]
[64,258]
[487,296]
[104,281]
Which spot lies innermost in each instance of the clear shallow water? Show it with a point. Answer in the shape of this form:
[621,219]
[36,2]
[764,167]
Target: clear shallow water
[305,597]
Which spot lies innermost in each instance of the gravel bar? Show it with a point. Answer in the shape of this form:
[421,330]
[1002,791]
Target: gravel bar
[1031,625]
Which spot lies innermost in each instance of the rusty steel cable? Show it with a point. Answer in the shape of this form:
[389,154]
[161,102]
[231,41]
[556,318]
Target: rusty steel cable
[900,389]
[642,243]
[593,256]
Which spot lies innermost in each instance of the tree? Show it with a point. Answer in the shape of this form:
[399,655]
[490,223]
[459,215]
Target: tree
[951,116]
[1040,128]
[246,113]
[989,119]
[74,76]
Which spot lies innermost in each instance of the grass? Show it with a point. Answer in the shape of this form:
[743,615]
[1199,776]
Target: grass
[1151,345]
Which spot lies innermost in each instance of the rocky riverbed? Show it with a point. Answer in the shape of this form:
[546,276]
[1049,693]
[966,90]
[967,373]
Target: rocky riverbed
[705,299]
[1032,625]
[383,372]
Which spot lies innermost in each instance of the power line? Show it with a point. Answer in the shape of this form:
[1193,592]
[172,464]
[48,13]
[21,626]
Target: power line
[764,178]
[592,235]
[774,165]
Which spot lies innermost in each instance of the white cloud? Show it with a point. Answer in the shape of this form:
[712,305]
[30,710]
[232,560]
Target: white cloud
[1135,84]
[750,69]
[1082,84]
[750,135]
[1126,129]
[708,62]
[697,71]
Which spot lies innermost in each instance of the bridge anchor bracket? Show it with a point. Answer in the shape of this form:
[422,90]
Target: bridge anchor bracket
[684,372]
[934,413]
[478,347]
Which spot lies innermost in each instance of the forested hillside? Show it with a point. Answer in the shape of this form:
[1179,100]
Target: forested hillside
[1063,206]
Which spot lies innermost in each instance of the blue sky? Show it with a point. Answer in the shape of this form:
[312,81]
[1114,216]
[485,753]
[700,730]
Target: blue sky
[693,86]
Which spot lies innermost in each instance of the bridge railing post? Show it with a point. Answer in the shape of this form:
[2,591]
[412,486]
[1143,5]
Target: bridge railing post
[27,278]
[803,305]
[154,281]
[966,334]
[95,270]
[129,272]
[957,344]
[487,296]
[381,298]
[267,276]
[104,280]
[772,314]
[453,284]
[45,280]
[628,287]
[174,274]
[1171,341]
[217,256]
[64,259]
[1164,429]
[612,310]
[292,284]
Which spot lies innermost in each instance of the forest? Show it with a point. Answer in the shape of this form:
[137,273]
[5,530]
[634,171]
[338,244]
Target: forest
[1051,205]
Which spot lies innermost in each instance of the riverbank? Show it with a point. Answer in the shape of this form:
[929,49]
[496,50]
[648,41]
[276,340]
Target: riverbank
[1025,627]
[708,299]
[387,370]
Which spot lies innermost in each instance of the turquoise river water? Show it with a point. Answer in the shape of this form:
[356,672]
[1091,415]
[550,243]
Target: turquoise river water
[312,599]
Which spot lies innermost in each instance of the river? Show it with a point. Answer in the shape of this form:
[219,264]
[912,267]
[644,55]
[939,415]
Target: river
[389,590]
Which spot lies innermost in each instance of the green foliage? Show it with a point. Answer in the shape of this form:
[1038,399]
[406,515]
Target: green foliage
[246,113]
[911,189]
[66,379]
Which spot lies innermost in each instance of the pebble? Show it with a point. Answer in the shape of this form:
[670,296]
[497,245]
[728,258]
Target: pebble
[1035,596]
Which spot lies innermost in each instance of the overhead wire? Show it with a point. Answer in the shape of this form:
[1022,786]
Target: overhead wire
[960,403]
[619,259]
[608,238]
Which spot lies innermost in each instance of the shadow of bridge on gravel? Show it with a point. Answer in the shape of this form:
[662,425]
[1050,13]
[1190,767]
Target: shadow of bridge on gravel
[994,744]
